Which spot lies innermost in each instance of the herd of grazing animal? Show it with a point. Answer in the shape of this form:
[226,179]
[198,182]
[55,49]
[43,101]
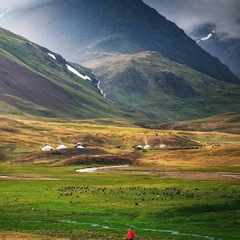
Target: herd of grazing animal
[139,195]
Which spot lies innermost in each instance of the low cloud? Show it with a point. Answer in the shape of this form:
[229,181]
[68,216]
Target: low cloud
[189,14]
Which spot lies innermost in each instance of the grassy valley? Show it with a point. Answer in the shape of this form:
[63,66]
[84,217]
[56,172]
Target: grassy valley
[181,183]
[187,190]
[158,142]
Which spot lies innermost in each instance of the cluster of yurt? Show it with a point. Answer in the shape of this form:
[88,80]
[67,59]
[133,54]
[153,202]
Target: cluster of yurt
[48,148]
[147,147]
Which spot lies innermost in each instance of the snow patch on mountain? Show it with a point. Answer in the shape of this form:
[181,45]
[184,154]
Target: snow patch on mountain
[73,70]
[207,37]
[52,56]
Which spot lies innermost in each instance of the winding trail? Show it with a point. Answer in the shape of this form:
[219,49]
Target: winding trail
[172,232]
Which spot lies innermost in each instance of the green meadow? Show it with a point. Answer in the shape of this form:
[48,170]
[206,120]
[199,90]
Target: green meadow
[108,203]
[165,194]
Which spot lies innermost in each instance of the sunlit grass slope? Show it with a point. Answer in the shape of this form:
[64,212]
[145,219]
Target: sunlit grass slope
[162,89]
[33,82]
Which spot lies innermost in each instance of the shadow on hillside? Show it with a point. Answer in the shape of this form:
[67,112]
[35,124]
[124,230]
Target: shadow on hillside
[74,156]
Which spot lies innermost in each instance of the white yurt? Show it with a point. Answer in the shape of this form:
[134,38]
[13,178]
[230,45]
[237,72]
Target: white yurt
[162,146]
[61,147]
[47,148]
[79,145]
[147,147]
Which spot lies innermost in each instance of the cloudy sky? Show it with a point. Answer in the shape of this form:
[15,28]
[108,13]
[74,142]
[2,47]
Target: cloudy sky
[222,15]
[189,14]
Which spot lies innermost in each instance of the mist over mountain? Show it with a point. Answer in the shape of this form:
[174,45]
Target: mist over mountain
[199,19]
[83,30]
[227,50]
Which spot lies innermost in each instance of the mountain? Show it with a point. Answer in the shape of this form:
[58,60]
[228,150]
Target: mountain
[226,49]
[37,81]
[159,88]
[142,62]
[82,30]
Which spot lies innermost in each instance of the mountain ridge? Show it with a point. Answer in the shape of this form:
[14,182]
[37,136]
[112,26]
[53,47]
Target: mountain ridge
[153,85]
[145,82]
[209,37]
[79,29]
[227,51]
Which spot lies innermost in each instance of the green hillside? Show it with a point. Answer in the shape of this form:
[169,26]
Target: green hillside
[161,89]
[33,82]
[36,81]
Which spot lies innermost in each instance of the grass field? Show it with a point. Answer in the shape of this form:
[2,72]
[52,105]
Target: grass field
[190,190]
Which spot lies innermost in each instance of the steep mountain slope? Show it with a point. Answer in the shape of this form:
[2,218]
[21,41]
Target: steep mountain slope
[34,80]
[161,89]
[218,45]
[227,51]
[81,30]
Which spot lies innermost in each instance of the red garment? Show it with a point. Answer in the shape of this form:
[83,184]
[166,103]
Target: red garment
[131,234]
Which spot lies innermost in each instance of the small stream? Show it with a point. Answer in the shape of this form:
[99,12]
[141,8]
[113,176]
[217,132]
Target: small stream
[172,232]
[94,169]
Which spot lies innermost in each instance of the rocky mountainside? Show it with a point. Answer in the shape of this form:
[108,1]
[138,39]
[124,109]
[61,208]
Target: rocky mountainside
[81,30]
[227,51]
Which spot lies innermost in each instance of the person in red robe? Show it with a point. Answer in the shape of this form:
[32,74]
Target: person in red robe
[131,234]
